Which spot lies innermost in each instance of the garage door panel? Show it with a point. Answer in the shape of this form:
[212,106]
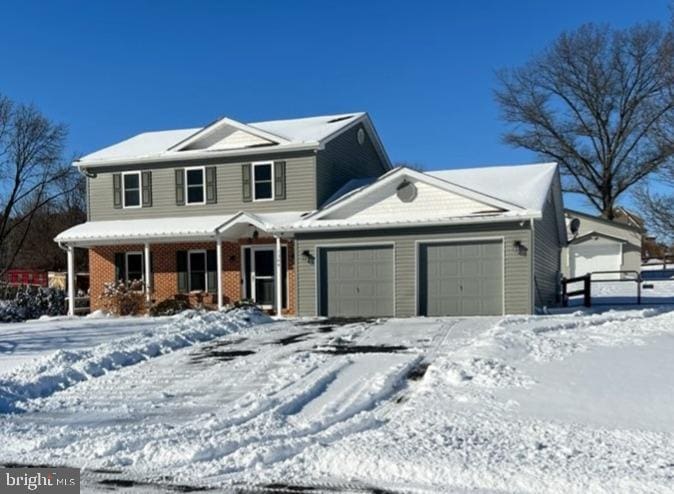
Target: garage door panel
[461,278]
[470,267]
[356,281]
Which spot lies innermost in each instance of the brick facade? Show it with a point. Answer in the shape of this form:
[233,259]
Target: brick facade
[165,276]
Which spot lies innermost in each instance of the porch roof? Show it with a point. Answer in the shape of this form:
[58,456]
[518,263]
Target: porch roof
[174,229]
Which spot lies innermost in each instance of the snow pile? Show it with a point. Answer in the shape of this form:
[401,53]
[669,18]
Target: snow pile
[481,372]
[63,369]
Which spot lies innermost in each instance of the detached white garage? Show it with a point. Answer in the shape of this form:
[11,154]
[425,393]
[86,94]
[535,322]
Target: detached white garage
[597,245]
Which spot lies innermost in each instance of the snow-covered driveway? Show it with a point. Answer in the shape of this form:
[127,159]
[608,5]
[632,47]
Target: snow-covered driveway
[565,403]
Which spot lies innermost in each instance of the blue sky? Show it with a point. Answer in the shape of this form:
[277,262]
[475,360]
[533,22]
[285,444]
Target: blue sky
[423,70]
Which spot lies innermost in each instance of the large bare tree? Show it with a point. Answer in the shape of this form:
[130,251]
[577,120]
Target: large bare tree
[33,173]
[600,102]
[656,204]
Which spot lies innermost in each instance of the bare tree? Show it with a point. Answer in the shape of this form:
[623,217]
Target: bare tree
[600,102]
[658,207]
[33,173]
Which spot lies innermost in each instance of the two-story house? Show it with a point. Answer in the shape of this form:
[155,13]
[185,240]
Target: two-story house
[306,216]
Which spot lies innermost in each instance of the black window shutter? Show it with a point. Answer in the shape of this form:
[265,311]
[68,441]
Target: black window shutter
[279,180]
[120,268]
[180,186]
[146,179]
[247,194]
[211,185]
[212,271]
[117,190]
[181,268]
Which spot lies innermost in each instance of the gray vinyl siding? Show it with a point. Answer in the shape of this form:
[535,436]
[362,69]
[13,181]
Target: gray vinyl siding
[517,267]
[547,250]
[343,159]
[300,190]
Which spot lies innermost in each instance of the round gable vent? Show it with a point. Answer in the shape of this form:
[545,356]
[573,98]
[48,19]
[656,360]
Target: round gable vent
[361,136]
[406,191]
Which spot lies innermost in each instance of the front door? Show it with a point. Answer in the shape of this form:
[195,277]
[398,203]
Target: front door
[262,276]
[259,275]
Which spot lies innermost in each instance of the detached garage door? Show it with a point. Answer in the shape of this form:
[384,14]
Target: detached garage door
[356,281]
[592,257]
[461,279]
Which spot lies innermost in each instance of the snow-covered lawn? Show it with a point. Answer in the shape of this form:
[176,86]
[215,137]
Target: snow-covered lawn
[22,342]
[578,402]
[654,291]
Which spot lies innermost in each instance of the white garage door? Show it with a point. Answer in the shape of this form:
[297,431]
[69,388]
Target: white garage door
[594,257]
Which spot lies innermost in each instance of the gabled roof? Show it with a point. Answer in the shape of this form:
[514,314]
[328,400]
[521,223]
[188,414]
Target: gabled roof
[507,194]
[571,213]
[219,130]
[595,233]
[228,137]
[401,172]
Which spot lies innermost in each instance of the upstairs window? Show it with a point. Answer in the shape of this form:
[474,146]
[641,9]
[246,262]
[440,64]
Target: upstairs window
[131,193]
[195,186]
[263,181]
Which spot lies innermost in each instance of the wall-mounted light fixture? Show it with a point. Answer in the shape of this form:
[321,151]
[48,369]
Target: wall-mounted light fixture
[520,248]
[308,256]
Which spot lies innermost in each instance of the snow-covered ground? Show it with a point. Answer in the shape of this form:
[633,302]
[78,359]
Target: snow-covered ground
[654,291]
[577,402]
[23,342]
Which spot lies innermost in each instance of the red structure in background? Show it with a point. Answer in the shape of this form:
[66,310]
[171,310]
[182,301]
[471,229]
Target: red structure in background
[19,277]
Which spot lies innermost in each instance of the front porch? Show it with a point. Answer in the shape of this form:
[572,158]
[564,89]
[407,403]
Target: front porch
[190,269]
[218,260]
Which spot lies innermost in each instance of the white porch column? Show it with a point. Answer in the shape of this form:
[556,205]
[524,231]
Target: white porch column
[218,257]
[148,278]
[71,280]
[278,278]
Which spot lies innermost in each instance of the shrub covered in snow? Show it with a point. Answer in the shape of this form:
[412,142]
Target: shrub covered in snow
[123,298]
[31,302]
[169,307]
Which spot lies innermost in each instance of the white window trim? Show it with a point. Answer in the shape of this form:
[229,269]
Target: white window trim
[189,269]
[203,185]
[140,190]
[273,180]
[126,265]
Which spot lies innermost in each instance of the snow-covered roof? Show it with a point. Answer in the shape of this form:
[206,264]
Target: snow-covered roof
[526,186]
[309,129]
[172,228]
[489,194]
[145,144]
[226,137]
